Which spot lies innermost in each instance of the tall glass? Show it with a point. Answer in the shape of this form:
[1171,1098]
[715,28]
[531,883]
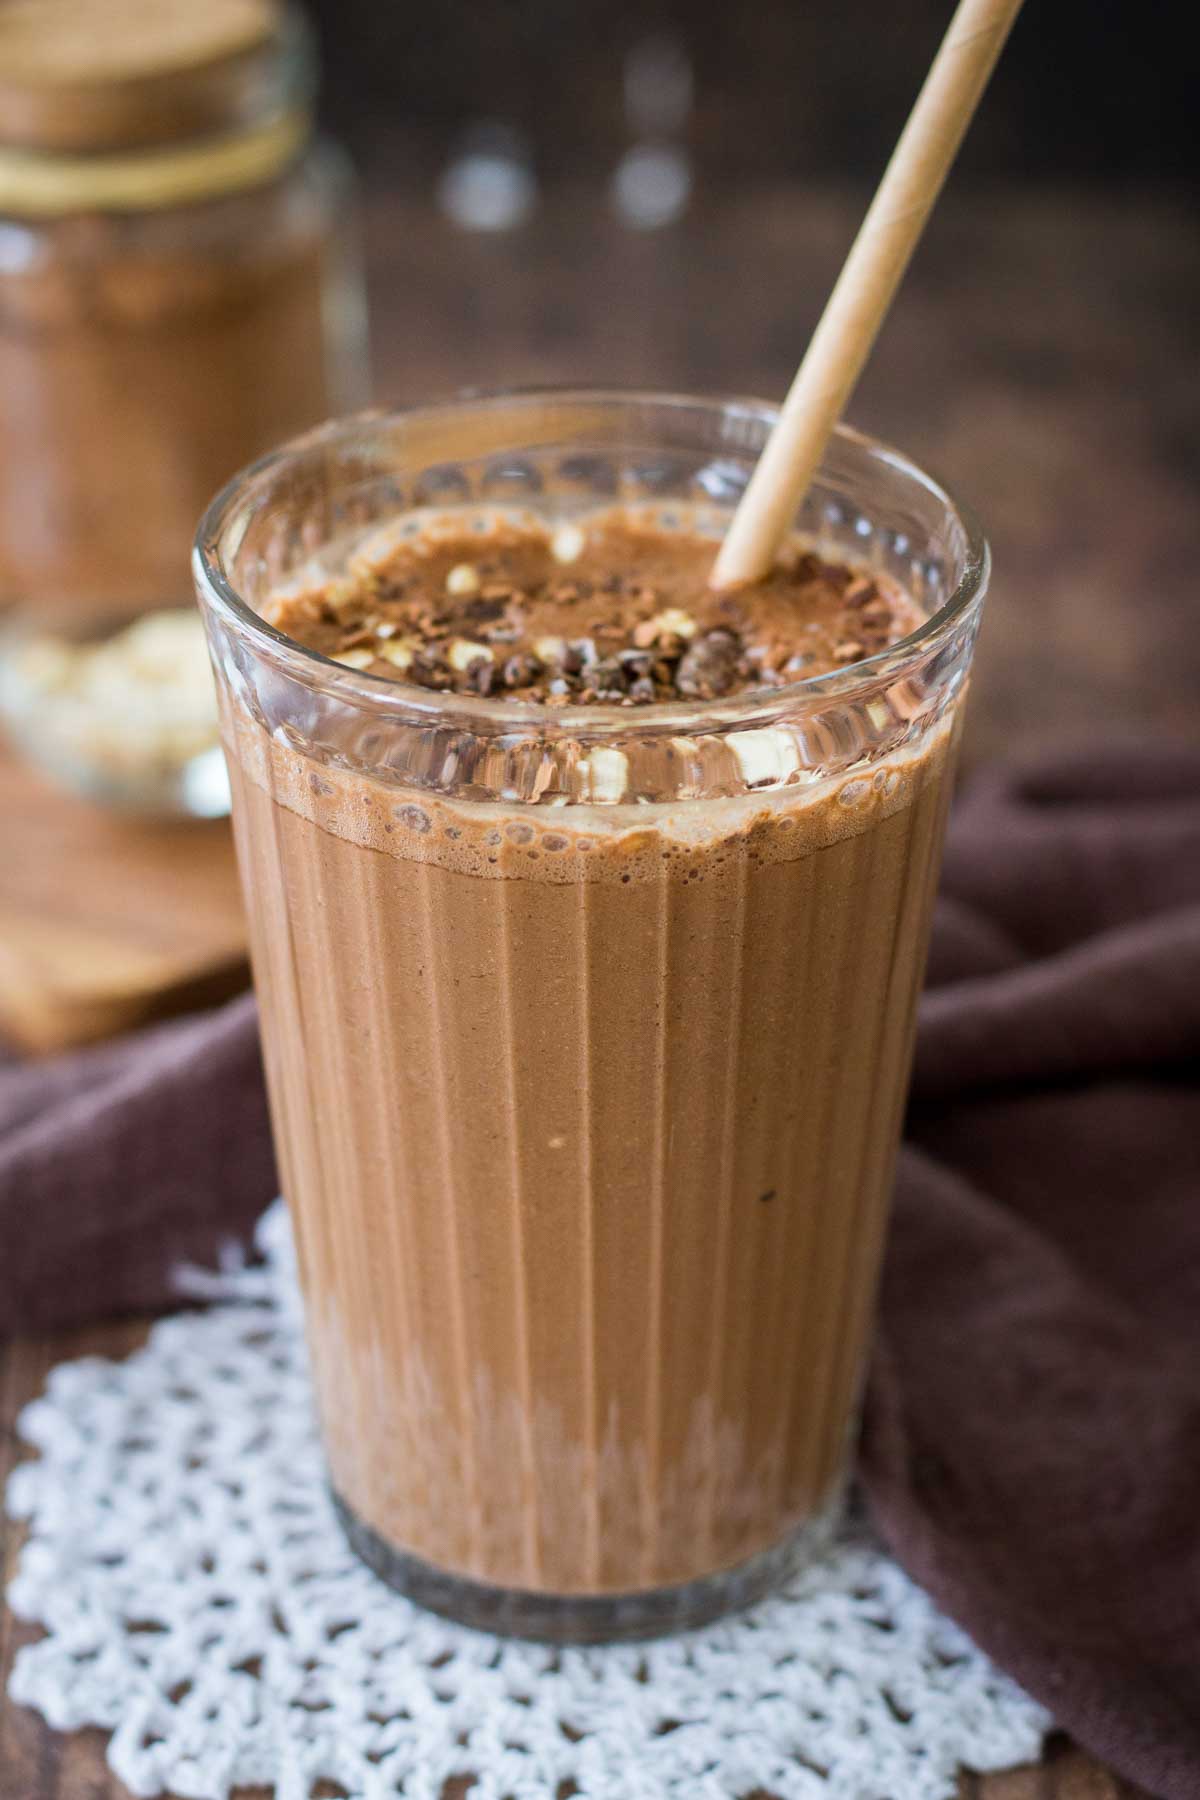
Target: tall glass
[587,1030]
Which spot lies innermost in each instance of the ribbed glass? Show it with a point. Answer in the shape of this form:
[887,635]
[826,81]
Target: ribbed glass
[586,1091]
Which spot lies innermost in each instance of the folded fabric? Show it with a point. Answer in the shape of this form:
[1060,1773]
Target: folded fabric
[1032,1438]
[1031,1446]
[121,1162]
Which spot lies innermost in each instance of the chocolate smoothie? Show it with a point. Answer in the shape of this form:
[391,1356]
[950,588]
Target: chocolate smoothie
[587,1107]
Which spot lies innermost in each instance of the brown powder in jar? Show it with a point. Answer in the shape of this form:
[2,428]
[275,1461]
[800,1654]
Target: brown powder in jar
[153,341]
[134,379]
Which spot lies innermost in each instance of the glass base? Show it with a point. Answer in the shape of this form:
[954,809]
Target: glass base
[591,1618]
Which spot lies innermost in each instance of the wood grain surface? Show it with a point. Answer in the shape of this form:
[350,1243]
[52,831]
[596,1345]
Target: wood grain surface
[105,922]
[1040,357]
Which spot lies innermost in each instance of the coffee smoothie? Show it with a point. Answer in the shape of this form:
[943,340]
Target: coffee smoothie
[586,1113]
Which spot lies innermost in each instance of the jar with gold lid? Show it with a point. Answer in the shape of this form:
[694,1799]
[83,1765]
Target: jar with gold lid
[179,290]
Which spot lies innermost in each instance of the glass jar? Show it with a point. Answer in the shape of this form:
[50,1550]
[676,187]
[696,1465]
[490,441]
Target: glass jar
[179,289]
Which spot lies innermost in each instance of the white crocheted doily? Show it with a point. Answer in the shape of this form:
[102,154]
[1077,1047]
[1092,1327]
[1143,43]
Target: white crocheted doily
[200,1604]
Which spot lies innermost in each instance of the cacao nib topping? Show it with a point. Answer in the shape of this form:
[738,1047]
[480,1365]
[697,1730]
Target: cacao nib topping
[614,612]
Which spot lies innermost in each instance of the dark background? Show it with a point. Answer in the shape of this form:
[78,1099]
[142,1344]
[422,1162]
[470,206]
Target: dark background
[1088,89]
[1041,354]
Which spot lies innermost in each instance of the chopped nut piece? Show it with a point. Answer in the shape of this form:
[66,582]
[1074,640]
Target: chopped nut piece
[674,622]
[129,710]
[397,651]
[47,664]
[550,649]
[567,544]
[464,651]
[360,658]
[463,579]
[345,595]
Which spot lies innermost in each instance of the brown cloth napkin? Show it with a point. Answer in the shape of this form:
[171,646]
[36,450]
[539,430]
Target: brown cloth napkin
[1032,1432]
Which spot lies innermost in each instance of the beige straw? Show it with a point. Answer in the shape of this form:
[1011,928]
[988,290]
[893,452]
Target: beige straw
[869,279]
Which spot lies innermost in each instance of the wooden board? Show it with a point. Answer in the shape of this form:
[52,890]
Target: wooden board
[107,922]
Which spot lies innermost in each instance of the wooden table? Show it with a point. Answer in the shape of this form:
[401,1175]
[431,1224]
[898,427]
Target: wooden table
[105,922]
[1040,356]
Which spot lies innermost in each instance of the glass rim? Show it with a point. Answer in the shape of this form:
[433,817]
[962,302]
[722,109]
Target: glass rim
[591,718]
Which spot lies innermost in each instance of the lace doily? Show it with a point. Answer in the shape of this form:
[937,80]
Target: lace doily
[200,1604]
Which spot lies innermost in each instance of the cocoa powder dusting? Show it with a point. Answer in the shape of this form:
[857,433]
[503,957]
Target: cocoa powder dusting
[613,611]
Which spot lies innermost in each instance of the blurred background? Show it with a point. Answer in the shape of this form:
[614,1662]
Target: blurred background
[1084,89]
[664,193]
